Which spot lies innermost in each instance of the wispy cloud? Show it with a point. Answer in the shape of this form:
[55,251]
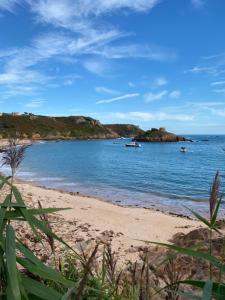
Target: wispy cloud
[160,81]
[123,97]
[218,55]
[198,3]
[150,52]
[175,94]
[9,5]
[219,91]
[131,84]
[95,66]
[199,69]
[215,83]
[149,116]
[149,97]
[82,40]
[105,90]
[64,12]
[218,112]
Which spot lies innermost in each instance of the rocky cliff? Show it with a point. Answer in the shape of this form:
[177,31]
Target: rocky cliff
[159,135]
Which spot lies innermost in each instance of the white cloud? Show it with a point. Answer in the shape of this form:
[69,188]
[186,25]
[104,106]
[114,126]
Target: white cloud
[82,39]
[149,116]
[215,83]
[218,112]
[131,84]
[154,53]
[63,12]
[95,66]
[9,5]
[160,81]
[123,97]
[219,91]
[149,97]
[214,56]
[175,94]
[198,3]
[105,90]
[198,69]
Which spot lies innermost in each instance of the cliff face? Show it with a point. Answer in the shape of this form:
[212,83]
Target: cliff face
[159,135]
[42,127]
[125,130]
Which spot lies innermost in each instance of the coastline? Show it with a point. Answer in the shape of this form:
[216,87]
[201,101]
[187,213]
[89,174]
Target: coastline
[5,142]
[89,218]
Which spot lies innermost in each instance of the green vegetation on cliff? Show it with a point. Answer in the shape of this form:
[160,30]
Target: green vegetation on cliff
[126,130]
[43,127]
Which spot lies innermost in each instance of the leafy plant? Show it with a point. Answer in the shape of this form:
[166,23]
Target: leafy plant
[210,289]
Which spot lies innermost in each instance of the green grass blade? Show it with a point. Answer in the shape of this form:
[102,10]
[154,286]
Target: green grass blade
[4,180]
[207,291]
[24,211]
[35,266]
[3,212]
[16,205]
[40,290]
[44,272]
[199,217]
[204,220]
[10,253]
[33,212]
[23,292]
[215,214]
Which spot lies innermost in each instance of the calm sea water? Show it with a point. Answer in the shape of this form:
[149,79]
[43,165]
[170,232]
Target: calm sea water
[156,174]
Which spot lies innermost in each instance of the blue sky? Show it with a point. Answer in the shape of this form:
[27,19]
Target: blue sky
[147,62]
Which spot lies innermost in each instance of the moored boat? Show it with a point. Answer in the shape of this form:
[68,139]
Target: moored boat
[183,149]
[133,144]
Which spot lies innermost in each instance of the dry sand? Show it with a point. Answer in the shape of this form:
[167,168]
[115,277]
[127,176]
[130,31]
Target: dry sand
[5,142]
[90,217]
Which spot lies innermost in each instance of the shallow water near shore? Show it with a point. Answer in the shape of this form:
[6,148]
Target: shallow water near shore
[156,175]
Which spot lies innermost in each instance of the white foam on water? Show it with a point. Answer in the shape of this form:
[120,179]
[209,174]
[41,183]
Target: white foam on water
[49,179]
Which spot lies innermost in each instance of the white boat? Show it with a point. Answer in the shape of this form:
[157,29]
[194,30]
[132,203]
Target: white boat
[133,144]
[183,149]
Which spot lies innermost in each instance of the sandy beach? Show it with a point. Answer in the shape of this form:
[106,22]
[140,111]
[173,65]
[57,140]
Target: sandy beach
[89,218]
[5,142]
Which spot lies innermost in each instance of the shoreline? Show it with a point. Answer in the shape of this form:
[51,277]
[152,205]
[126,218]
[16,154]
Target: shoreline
[101,199]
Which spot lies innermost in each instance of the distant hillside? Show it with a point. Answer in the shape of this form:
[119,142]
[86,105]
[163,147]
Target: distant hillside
[42,127]
[126,130]
[159,135]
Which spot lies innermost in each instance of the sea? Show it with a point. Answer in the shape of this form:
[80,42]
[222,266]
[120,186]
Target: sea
[156,175]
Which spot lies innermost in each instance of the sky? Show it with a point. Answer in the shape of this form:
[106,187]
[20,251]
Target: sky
[153,63]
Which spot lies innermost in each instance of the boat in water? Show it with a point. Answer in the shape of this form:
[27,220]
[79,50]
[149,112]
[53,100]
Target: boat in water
[133,144]
[183,149]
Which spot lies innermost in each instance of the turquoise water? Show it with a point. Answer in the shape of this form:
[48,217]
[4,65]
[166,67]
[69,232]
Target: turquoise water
[156,174]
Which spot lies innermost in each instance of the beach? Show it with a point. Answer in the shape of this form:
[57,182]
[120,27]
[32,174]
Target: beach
[89,218]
